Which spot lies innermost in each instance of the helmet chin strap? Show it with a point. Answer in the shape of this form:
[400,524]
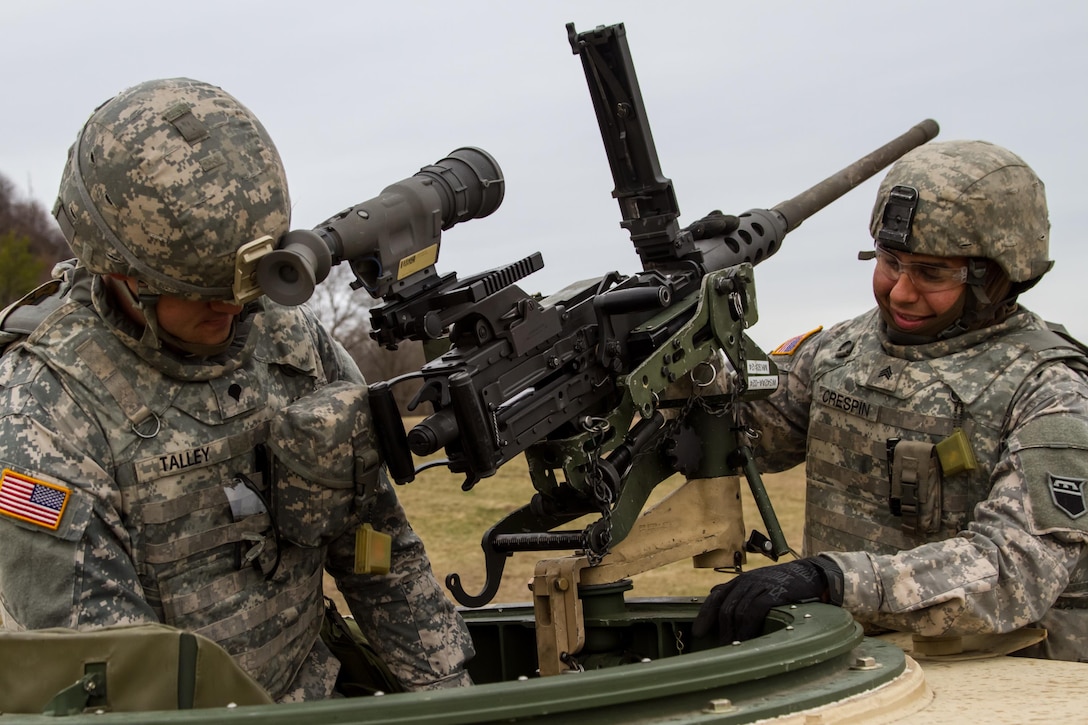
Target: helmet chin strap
[200,350]
[989,300]
[142,308]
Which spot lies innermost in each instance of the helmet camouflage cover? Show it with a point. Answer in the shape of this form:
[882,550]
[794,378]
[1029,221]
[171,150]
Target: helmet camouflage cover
[165,182]
[973,199]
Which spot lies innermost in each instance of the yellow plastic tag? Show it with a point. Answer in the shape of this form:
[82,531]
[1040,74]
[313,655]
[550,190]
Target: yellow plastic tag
[955,454]
[373,551]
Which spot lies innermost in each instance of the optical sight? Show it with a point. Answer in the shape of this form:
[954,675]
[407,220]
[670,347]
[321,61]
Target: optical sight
[392,240]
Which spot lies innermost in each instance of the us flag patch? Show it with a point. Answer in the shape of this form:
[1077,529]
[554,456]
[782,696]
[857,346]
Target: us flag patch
[790,346]
[29,499]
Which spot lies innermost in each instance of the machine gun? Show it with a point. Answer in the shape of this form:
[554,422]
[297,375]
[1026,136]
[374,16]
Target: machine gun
[561,379]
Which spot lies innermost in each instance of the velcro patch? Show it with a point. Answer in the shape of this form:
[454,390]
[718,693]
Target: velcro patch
[790,346]
[1053,453]
[1068,495]
[29,499]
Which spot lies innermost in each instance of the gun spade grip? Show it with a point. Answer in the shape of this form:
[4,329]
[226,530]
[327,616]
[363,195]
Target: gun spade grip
[389,430]
[476,436]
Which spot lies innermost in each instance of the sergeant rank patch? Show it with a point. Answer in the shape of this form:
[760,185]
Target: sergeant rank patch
[1068,495]
[29,499]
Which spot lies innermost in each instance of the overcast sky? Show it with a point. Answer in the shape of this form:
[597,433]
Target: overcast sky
[750,103]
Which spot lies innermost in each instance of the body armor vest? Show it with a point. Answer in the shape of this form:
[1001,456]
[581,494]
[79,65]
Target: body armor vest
[205,564]
[870,399]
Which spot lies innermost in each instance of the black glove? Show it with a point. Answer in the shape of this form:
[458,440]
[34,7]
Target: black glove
[738,607]
[714,224]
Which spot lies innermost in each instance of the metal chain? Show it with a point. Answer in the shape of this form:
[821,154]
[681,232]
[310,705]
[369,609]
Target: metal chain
[693,400]
[603,496]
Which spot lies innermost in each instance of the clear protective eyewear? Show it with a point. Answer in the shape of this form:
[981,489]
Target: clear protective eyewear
[924,277]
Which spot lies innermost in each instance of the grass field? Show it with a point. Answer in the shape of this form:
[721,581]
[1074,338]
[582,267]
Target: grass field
[451,523]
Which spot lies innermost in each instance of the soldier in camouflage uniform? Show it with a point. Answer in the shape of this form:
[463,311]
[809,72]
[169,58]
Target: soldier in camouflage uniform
[176,451]
[945,433]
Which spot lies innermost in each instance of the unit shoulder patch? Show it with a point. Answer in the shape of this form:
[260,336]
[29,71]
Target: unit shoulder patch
[1068,495]
[791,345]
[1053,454]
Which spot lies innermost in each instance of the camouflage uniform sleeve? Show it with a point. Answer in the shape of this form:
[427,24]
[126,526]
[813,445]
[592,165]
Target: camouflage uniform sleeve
[782,418]
[338,362]
[405,614]
[1013,561]
[78,575]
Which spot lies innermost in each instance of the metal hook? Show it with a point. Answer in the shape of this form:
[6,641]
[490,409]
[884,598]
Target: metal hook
[519,523]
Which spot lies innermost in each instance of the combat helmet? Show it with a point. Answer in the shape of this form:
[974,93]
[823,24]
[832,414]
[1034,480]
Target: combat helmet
[966,199]
[165,182]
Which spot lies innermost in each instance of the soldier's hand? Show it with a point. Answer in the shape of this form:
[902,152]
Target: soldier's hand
[714,224]
[737,608]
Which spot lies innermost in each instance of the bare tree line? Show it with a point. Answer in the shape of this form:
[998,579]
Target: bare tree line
[30,243]
[346,314]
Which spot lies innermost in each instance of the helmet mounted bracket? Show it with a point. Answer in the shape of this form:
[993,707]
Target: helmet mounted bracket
[895,224]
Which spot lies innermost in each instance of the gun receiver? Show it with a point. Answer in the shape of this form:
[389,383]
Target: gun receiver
[562,378]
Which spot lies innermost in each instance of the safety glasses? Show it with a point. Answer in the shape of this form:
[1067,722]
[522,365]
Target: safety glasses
[924,277]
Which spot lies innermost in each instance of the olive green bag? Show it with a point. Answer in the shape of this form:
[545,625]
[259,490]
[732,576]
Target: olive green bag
[119,669]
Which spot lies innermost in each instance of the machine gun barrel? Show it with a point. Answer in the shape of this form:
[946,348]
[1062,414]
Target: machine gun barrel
[810,201]
[761,231]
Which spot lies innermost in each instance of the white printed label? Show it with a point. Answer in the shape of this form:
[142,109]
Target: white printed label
[763,382]
[759,367]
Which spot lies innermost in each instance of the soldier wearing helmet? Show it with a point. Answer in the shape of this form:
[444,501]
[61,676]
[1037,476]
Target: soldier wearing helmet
[944,433]
[176,448]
